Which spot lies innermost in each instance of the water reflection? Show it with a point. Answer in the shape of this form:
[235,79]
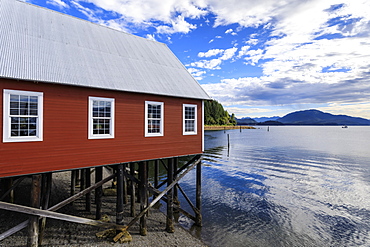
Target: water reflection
[278,188]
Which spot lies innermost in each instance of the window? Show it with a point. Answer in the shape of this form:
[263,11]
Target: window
[189,119]
[101,118]
[22,116]
[154,118]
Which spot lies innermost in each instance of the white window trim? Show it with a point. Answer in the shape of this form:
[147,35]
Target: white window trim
[161,133]
[90,127]
[183,120]
[7,122]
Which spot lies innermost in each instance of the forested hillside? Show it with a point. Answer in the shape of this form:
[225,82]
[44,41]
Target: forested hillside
[214,114]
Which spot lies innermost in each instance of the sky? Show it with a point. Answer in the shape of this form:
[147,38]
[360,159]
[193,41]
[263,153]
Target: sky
[257,58]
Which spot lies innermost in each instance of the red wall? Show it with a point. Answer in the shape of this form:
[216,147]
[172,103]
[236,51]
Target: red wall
[65,142]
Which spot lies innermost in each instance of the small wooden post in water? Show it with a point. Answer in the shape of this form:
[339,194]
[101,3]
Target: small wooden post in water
[198,203]
[33,226]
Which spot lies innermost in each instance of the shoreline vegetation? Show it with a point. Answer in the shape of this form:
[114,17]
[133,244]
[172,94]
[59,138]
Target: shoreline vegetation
[227,127]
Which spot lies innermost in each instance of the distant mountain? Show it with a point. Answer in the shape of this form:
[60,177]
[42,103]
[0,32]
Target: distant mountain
[264,119]
[316,117]
[246,121]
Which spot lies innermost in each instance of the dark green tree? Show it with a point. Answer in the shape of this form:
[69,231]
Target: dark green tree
[214,114]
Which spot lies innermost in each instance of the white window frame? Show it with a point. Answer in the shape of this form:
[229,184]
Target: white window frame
[161,132]
[184,132]
[91,135]
[7,117]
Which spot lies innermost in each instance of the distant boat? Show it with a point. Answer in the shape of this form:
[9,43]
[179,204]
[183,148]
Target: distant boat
[345,127]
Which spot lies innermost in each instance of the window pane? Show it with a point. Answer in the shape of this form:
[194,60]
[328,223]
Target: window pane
[23,113]
[14,111]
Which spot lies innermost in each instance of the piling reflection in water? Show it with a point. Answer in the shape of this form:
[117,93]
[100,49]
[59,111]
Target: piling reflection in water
[294,186]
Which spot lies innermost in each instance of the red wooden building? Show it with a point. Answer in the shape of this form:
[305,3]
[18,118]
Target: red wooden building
[74,94]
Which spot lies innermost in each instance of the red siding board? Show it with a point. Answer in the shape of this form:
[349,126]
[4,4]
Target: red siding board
[66,145]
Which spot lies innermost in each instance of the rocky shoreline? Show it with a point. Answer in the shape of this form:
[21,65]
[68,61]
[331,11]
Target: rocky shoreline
[62,233]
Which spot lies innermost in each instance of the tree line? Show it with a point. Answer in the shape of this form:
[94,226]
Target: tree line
[214,114]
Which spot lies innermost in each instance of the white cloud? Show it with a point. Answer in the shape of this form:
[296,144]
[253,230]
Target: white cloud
[214,64]
[308,51]
[207,64]
[230,31]
[229,53]
[59,3]
[210,53]
[171,13]
[178,25]
[150,37]
[196,73]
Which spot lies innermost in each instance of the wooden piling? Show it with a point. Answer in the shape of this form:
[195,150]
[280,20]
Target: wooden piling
[125,199]
[87,185]
[132,190]
[175,190]
[73,182]
[46,192]
[169,222]
[33,226]
[119,204]
[98,192]
[198,193]
[143,190]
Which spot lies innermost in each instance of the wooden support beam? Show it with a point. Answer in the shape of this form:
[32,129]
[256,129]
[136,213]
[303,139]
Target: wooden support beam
[169,221]
[57,206]
[156,173]
[143,190]
[187,199]
[132,190]
[180,170]
[33,227]
[125,199]
[175,192]
[98,192]
[199,194]
[46,192]
[157,192]
[119,201]
[87,185]
[82,179]
[11,189]
[73,182]
[159,197]
[58,216]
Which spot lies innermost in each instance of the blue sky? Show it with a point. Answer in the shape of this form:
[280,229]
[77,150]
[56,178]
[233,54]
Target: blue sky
[258,58]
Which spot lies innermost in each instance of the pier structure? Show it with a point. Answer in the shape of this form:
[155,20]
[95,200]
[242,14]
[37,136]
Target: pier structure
[131,186]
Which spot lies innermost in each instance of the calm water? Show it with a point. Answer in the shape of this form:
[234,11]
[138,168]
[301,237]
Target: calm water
[290,186]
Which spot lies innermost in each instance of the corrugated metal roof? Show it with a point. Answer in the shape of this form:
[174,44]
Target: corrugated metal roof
[42,45]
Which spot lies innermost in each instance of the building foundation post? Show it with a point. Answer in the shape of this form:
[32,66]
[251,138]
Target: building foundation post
[169,222]
[33,226]
[119,205]
[143,189]
[98,192]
